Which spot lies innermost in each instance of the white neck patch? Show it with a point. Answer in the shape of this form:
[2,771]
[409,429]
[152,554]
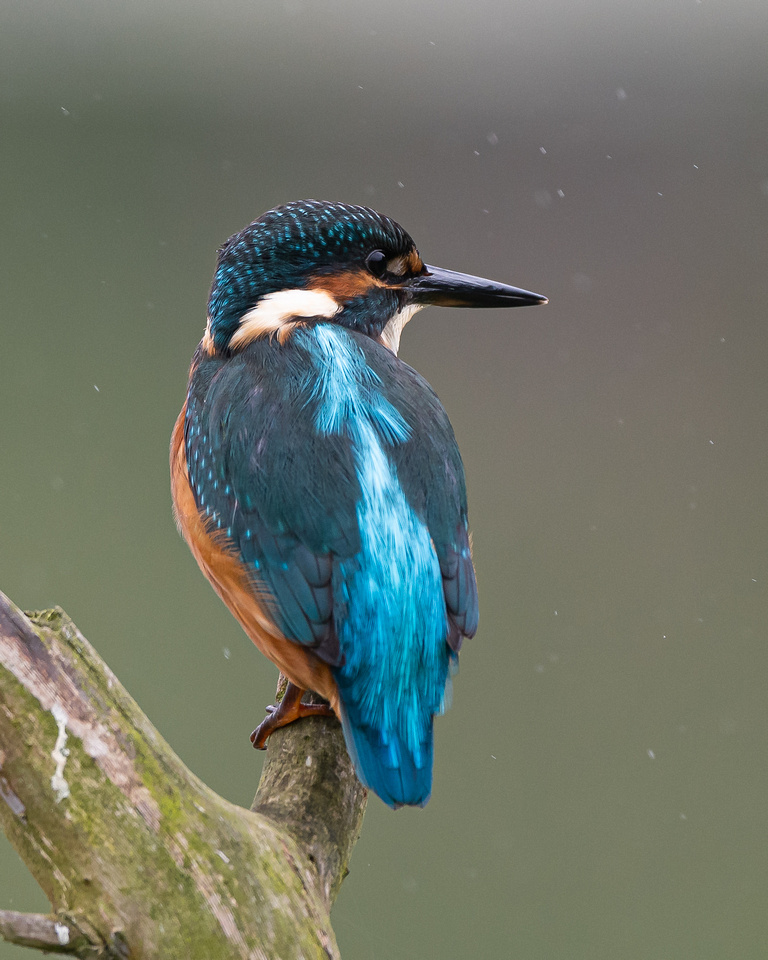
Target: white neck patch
[390,335]
[282,308]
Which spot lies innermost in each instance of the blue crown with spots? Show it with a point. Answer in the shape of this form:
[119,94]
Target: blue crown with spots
[289,245]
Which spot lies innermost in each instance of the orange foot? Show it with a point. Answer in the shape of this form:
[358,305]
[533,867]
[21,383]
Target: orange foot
[289,709]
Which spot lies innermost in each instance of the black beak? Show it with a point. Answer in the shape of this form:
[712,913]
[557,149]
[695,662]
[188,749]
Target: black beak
[447,288]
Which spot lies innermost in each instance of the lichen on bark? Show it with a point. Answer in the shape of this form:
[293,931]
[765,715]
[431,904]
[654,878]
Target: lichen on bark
[136,855]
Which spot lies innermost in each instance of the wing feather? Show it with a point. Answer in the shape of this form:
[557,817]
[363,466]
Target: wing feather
[286,495]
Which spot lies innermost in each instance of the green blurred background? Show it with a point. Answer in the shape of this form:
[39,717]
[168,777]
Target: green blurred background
[601,781]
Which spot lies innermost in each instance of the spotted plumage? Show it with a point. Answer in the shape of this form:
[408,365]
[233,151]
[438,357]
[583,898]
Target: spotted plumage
[318,481]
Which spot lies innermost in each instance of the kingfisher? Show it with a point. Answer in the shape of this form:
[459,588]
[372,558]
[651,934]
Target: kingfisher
[317,479]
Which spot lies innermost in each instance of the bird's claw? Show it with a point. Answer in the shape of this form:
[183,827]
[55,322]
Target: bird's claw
[290,708]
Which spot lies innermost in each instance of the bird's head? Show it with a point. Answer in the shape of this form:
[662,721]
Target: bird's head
[312,261]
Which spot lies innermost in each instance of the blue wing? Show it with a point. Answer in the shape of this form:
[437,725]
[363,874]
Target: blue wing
[287,496]
[431,474]
[283,495]
[337,478]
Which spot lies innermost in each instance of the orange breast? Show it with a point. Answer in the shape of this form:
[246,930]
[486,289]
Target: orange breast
[237,587]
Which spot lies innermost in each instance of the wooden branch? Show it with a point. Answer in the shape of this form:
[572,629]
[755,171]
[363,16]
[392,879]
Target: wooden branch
[50,934]
[311,772]
[136,855]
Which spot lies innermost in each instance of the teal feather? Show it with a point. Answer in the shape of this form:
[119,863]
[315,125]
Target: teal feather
[334,468]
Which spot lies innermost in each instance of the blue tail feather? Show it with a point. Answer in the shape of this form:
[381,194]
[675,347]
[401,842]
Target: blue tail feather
[386,765]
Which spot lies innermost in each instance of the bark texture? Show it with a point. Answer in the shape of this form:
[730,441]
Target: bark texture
[139,858]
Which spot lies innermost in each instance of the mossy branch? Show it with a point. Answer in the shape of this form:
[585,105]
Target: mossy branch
[139,858]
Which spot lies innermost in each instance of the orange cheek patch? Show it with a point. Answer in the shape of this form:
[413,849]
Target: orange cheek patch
[346,285]
[413,263]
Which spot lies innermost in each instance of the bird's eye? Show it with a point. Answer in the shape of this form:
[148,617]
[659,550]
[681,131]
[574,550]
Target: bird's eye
[377,263]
